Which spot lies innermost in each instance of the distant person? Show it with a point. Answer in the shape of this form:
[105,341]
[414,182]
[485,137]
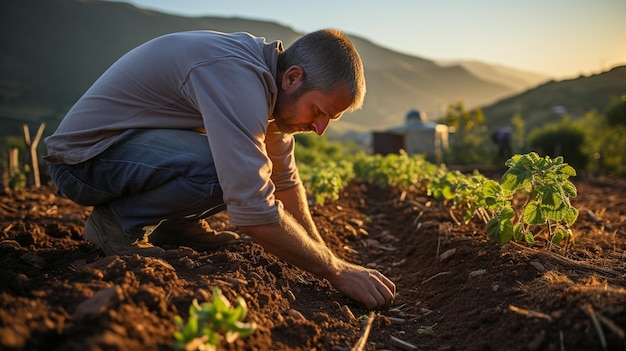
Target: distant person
[190,124]
[502,138]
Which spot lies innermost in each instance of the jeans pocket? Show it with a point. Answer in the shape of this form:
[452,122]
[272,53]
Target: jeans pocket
[78,191]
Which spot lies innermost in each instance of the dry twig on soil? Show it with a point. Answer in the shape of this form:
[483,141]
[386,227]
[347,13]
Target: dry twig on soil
[360,344]
[402,344]
[588,309]
[530,313]
[549,255]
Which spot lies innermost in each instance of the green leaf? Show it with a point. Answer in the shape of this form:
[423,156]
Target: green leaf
[551,197]
[499,230]
[555,215]
[194,307]
[571,216]
[491,189]
[234,315]
[528,161]
[569,189]
[319,198]
[191,328]
[428,330]
[517,231]
[208,321]
[515,178]
[507,213]
[493,228]
[529,237]
[178,320]
[506,231]
[557,236]
[533,214]
[178,336]
[568,170]
[244,329]
[448,192]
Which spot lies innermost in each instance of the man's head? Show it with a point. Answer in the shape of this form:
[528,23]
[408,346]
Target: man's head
[320,76]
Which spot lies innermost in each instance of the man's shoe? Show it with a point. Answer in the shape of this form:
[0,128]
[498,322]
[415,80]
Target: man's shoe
[197,235]
[103,231]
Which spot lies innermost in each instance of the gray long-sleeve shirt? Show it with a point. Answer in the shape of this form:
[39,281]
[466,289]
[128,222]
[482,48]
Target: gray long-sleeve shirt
[224,84]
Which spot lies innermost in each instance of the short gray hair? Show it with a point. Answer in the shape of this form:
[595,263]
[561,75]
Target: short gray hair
[328,58]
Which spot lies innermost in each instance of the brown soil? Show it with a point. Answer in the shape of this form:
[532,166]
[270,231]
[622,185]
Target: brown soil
[456,289]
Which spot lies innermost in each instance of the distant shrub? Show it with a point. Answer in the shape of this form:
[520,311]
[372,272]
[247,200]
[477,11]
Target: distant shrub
[611,158]
[312,149]
[469,144]
[605,145]
[560,139]
[616,112]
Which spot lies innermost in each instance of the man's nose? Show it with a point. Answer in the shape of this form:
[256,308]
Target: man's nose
[320,125]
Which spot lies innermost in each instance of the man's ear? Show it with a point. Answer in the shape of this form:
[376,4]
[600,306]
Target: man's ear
[292,78]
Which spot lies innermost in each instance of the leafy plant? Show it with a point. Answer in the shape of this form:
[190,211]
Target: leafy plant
[18,178]
[401,170]
[210,323]
[532,196]
[464,191]
[326,179]
[544,191]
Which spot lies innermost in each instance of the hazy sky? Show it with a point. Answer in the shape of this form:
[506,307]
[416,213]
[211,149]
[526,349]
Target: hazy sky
[559,38]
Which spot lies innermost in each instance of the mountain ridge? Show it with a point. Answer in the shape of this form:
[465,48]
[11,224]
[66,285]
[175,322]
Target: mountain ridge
[514,78]
[552,100]
[52,50]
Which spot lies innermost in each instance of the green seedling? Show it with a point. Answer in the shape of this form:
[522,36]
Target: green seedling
[428,330]
[363,317]
[463,192]
[542,187]
[211,323]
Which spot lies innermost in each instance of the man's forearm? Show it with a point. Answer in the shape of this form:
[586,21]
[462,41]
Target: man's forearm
[295,202]
[289,240]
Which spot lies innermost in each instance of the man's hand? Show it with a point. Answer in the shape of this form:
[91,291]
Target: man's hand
[367,286]
[290,241]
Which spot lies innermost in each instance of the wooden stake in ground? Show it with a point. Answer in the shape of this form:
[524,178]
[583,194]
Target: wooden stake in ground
[33,161]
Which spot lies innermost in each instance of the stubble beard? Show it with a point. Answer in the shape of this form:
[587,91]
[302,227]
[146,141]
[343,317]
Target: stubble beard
[285,111]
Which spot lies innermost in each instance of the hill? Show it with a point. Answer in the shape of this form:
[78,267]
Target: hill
[52,50]
[515,79]
[549,101]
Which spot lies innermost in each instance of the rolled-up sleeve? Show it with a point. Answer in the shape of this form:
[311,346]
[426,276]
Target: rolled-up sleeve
[280,149]
[235,98]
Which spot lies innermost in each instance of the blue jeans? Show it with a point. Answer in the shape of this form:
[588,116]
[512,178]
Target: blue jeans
[145,177]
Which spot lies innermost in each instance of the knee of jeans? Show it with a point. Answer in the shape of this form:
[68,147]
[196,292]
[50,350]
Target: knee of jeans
[78,191]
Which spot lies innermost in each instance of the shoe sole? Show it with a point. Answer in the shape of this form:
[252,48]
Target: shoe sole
[216,241]
[93,234]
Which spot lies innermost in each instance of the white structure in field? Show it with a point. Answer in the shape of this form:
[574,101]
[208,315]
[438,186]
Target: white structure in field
[417,136]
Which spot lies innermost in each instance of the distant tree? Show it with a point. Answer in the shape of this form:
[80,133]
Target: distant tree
[469,144]
[616,112]
[560,139]
[605,145]
[519,132]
